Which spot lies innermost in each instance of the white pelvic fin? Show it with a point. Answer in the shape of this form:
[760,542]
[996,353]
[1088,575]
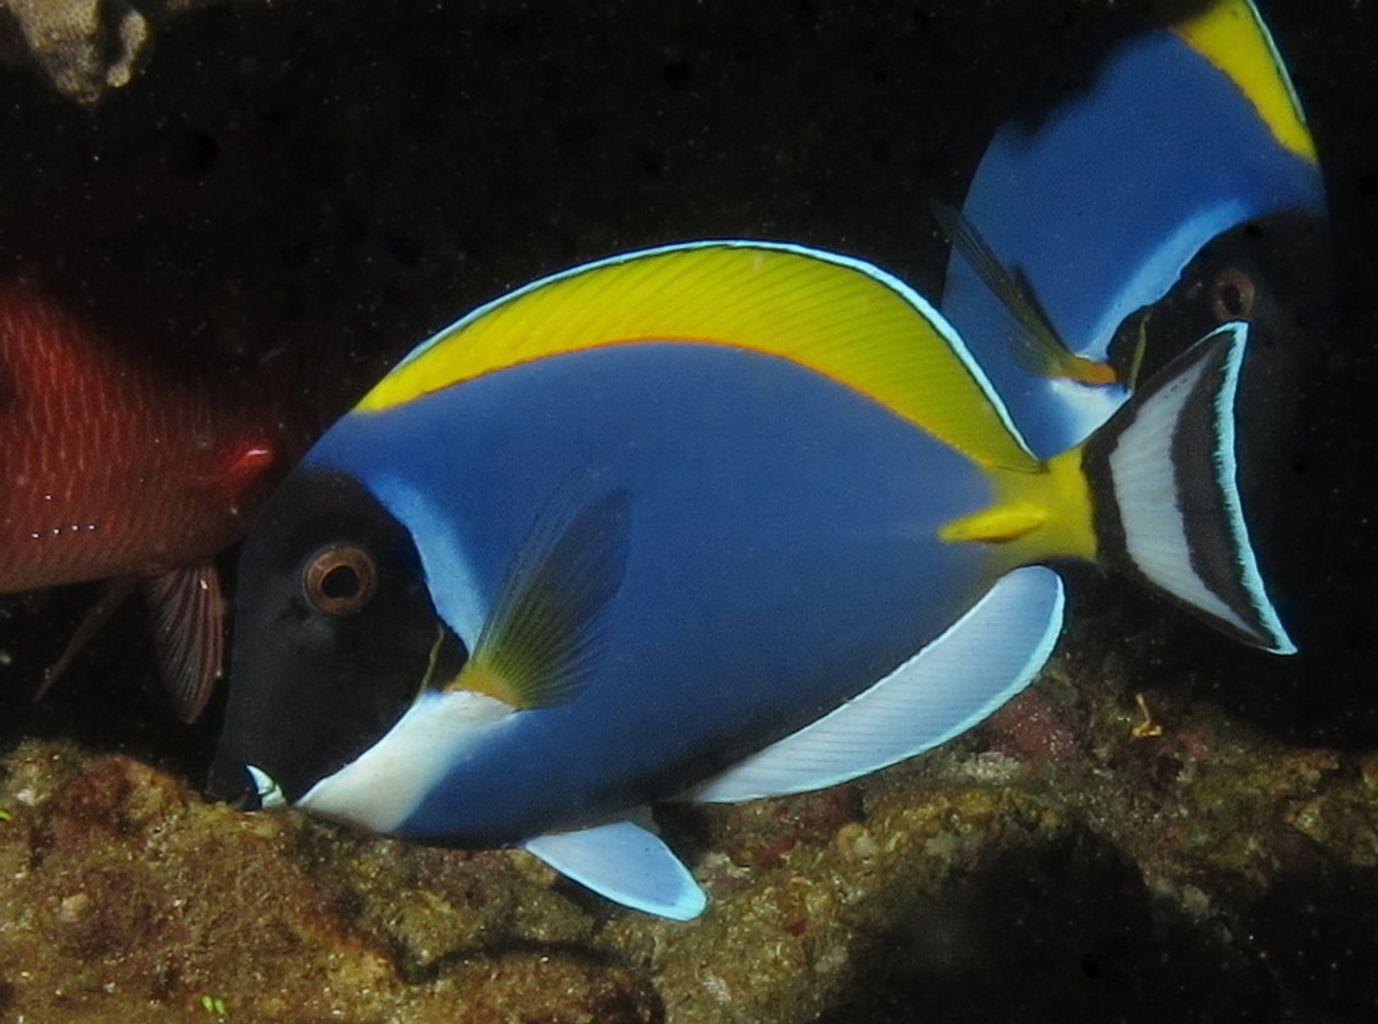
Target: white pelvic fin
[1168,457]
[982,660]
[626,864]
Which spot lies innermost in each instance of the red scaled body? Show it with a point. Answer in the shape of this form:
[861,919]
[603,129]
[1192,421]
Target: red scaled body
[108,467]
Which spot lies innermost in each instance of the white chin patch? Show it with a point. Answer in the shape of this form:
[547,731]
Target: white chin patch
[381,787]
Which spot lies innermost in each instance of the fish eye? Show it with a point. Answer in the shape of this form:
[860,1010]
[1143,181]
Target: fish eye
[340,580]
[1232,294]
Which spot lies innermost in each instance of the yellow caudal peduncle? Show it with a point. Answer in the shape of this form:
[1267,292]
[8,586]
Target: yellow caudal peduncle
[1035,516]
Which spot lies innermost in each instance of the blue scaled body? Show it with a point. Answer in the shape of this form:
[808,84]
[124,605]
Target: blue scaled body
[783,556]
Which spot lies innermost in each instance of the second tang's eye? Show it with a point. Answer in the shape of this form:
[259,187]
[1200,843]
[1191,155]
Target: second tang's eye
[340,580]
[1232,294]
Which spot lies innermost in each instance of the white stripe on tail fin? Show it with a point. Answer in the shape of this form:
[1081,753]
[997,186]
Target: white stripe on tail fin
[1168,459]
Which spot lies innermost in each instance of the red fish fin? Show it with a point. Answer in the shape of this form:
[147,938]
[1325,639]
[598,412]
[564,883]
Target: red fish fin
[188,633]
[112,596]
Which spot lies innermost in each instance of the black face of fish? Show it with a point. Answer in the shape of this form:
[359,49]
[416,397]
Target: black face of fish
[1273,272]
[335,635]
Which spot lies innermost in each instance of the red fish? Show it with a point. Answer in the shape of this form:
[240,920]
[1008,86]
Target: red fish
[109,468]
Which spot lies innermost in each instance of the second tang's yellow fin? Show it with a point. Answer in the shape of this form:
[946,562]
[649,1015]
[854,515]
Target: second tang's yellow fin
[1232,36]
[838,316]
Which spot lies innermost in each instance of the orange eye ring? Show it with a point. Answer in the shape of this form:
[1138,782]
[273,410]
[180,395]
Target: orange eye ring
[340,580]
[1233,295]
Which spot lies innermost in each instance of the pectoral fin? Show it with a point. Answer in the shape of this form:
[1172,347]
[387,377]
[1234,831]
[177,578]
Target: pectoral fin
[545,632]
[188,634]
[1039,349]
[626,864]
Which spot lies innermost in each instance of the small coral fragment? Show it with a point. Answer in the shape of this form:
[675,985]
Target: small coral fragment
[1145,728]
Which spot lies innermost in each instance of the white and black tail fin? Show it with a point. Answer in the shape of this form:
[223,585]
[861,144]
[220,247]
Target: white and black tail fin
[1166,460]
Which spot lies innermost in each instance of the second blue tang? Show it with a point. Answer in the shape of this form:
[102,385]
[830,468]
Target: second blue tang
[715,521]
[1105,204]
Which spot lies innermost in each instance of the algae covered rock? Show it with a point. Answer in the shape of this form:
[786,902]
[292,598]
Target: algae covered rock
[127,897]
[87,47]
[959,880]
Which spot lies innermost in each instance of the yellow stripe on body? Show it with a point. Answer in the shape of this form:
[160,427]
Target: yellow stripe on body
[1232,37]
[834,318]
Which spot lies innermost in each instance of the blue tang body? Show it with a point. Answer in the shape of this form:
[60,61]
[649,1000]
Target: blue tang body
[1188,132]
[783,556]
[714,521]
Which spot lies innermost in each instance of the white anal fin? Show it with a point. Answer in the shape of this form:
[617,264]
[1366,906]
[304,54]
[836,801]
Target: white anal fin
[626,864]
[982,660]
[188,634]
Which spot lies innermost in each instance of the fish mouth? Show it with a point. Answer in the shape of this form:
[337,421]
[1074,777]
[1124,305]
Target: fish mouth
[267,790]
[245,787]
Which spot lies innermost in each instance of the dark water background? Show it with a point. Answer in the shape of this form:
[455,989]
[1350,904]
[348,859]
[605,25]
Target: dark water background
[335,180]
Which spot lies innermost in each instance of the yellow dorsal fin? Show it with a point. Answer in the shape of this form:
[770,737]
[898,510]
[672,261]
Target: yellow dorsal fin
[1232,36]
[839,317]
